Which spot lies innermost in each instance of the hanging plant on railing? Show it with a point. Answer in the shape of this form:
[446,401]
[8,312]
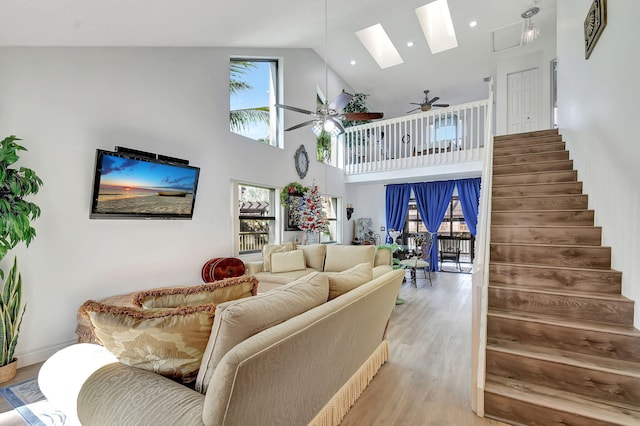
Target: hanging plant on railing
[356,104]
[291,192]
[323,147]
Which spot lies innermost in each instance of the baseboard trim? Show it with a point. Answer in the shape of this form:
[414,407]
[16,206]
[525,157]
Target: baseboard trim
[40,354]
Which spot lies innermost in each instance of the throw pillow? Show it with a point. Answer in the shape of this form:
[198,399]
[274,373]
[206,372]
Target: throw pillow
[274,248]
[240,319]
[287,261]
[342,282]
[341,258]
[213,292]
[314,255]
[169,342]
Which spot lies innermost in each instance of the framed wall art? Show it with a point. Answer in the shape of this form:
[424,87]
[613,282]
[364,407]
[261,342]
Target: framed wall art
[594,24]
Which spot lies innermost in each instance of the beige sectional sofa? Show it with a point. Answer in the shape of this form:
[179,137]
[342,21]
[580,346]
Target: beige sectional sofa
[288,356]
[284,263]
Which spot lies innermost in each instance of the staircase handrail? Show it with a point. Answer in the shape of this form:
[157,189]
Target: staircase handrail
[480,275]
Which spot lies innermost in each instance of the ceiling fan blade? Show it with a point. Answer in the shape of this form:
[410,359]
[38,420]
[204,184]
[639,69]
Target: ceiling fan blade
[433,100]
[440,105]
[415,109]
[414,103]
[297,126]
[341,101]
[296,109]
[360,116]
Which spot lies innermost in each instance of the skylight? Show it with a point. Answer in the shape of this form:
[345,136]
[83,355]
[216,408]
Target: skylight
[380,46]
[437,26]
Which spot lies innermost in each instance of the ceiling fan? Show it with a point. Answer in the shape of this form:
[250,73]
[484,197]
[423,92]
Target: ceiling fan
[329,116]
[427,104]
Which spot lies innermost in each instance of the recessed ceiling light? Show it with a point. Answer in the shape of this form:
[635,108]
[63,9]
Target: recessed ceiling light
[409,44]
[437,26]
[473,23]
[353,62]
[380,46]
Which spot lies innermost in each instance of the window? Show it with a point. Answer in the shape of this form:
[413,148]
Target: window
[256,216]
[413,223]
[453,224]
[330,207]
[446,130]
[253,92]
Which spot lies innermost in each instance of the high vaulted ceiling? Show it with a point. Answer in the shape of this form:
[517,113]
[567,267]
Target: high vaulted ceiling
[455,75]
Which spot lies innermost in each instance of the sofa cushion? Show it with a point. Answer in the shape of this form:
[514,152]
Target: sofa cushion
[314,255]
[84,330]
[169,342]
[240,319]
[213,292]
[287,261]
[274,248]
[340,258]
[342,282]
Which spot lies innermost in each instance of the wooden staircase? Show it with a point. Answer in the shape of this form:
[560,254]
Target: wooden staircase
[561,347]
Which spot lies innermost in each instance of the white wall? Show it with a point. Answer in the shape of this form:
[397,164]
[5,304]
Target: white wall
[598,117]
[66,102]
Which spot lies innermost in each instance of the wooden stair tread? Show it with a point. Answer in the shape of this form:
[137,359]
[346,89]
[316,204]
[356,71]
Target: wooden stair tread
[564,322]
[623,414]
[563,292]
[550,227]
[576,359]
[554,246]
[564,268]
[534,163]
[542,211]
[526,135]
[546,172]
[516,197]
[536,183]
[533,153]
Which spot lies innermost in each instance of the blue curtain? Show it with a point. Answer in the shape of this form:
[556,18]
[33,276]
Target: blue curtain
[469,192]
[397,204]
[432,199]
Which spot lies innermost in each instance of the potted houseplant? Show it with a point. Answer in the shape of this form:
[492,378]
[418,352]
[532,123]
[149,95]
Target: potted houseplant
[323,147]
[16,215]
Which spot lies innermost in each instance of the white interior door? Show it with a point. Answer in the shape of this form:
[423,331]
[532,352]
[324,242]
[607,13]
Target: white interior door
[522,99]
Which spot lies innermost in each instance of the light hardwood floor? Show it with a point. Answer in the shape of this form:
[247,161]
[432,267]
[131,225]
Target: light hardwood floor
[427,380]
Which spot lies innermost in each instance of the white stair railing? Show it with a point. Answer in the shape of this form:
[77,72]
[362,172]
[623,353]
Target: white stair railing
[441,136]
[480,275]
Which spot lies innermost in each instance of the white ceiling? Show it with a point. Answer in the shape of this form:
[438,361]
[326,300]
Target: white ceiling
[455,75]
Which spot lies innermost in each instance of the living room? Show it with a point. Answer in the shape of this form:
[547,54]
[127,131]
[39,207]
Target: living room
[66,102]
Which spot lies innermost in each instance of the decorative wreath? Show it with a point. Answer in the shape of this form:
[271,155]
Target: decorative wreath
[293,188]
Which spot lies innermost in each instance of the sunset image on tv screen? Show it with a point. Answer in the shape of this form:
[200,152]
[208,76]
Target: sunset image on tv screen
[134,186]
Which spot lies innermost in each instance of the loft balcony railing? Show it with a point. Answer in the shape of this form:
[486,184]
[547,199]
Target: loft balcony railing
[440,136]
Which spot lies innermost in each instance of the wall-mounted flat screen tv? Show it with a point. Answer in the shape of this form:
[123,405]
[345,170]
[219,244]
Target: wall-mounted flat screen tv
[131,186]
